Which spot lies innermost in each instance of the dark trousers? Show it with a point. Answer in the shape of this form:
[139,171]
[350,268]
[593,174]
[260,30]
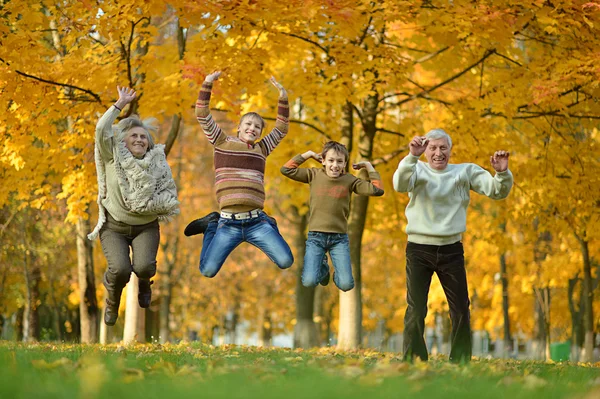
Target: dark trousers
[116,238]
[448,262]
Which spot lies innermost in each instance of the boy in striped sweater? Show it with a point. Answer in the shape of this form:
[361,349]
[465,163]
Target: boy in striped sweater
[330,191]
[239,182]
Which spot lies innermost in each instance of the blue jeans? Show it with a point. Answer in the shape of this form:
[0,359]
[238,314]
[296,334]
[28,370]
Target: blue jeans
[222,237]
[338,246]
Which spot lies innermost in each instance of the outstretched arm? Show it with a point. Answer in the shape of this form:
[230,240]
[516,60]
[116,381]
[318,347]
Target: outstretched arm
[271,140]
[498,186]
[374,187]
[292,170]
[408,165]
[213,132]
[104,132]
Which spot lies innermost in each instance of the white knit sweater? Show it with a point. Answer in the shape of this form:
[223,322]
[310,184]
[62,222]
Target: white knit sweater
[437,210]
[134,191]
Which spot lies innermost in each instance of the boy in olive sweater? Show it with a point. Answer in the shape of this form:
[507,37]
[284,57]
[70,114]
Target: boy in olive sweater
[330,191]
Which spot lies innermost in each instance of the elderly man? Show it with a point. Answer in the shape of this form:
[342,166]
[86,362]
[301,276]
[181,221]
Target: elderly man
[437,217]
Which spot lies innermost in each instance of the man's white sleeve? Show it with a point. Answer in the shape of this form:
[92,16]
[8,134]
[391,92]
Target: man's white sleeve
[402,176]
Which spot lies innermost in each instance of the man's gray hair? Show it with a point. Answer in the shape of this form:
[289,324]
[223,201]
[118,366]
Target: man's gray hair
[126,124]
[439,134]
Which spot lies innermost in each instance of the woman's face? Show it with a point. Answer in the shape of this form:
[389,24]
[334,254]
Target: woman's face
[136,141]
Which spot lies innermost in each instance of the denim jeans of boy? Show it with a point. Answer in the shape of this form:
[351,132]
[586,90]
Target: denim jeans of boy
[116,238]
[449,263]
[338,246]
[222,237]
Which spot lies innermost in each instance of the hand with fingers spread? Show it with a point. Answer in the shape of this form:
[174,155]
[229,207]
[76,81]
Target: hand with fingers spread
[418,145]
[282,92]
[211,77]
[499,161]
[311,154]
[126,95]
[363,165]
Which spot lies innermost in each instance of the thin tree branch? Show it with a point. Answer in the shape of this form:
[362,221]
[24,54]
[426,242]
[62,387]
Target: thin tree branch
[487,54]
[387,158]
[430,56]
[302,123]
[324,49]
[390,132]
[91,93]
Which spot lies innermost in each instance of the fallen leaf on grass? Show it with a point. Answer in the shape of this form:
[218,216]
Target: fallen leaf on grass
[167,368]
[43,365]
[371,380]
[92,375]
[297,359]
[533,382]
[132,375]
[352,371]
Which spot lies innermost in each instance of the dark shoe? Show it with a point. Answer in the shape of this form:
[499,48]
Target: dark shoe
[111,312]
[145,293]
[325,280]
[199,226]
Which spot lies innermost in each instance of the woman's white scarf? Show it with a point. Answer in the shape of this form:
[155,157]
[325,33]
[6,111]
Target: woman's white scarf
[146,184]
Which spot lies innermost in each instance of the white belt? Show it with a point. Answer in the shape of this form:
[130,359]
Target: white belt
[241,215]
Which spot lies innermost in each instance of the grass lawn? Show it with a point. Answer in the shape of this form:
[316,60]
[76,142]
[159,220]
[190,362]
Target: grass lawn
[201,371]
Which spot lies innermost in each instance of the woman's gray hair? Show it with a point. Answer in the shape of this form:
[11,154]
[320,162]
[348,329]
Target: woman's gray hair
[439,134]
[126,124]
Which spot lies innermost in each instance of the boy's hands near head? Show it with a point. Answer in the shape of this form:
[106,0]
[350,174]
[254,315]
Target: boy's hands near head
[363,165]
[313,155]
[211,77]
[278,86]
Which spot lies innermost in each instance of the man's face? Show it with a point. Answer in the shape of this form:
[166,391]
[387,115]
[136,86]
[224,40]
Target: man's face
[250,129]
[334,163]
[438,153]
[136,141]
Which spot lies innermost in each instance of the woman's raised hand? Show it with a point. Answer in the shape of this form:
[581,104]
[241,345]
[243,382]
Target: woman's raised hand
[211,77]
[282,92]
[126,95]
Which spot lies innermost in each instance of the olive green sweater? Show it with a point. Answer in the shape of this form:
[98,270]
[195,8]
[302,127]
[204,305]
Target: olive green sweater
[330,196]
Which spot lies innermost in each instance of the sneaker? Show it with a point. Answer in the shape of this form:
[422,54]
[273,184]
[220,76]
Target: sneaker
[199,226]
[111,312]
[145,293]
[325,280]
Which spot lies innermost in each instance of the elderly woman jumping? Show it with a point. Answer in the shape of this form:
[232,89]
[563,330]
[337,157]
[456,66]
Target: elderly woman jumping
[135,191]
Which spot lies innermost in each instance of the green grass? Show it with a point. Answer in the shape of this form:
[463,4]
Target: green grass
[200,371]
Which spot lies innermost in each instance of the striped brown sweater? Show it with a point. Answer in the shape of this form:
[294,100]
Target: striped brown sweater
[239,167]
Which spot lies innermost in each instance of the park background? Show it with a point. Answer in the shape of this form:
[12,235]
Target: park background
[521,76]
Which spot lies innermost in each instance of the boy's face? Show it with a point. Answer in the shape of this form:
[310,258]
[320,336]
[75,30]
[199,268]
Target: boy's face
[334,163]
[250,129]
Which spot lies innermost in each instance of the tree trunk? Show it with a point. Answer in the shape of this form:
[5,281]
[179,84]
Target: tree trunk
[263,325]
[350,319]
[88,304]
[588,309]
[577,337]
[134,315]
[31,327]
[305,330]
[105,331]
[505,305]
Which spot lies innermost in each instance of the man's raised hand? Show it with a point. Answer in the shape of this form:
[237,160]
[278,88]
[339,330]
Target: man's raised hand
[418,145]
[499,161]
